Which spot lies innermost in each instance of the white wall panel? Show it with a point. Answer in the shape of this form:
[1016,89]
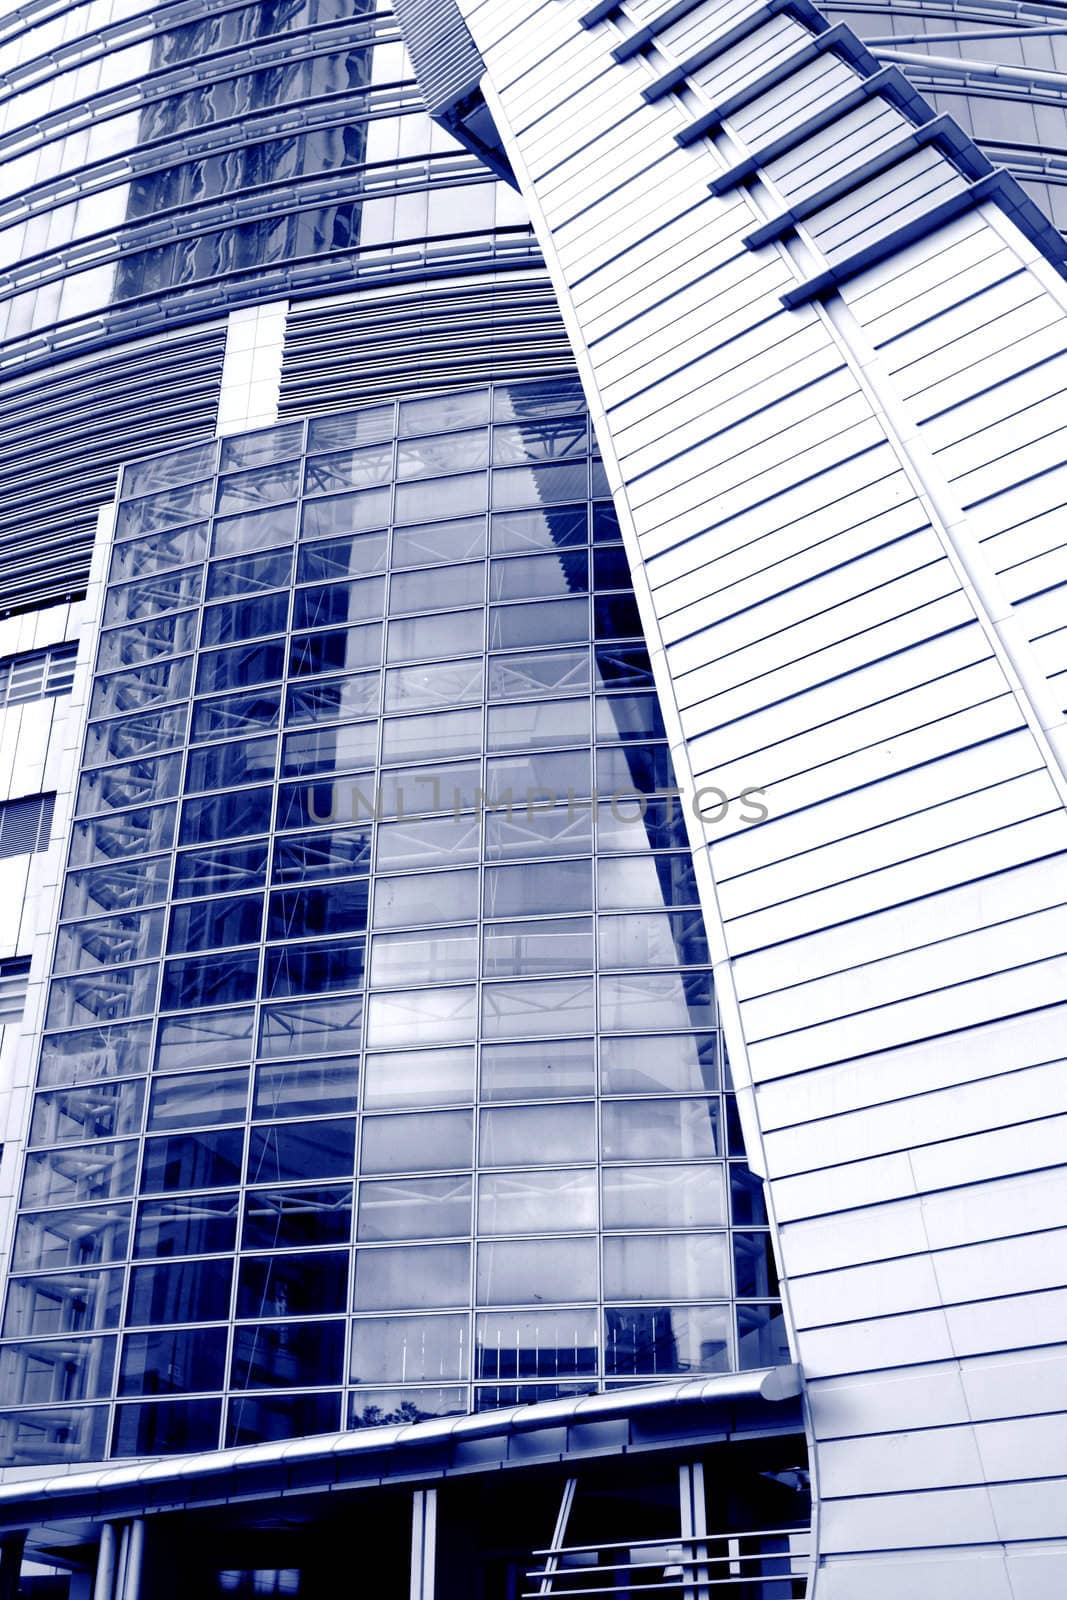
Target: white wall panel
[825,624]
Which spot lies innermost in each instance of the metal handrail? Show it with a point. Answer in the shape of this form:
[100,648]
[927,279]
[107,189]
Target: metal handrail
[675,1538]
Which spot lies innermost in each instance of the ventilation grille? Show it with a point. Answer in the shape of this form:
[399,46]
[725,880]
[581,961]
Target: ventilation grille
[14,981]
[341,351]
[65,432]
[37,674]
[26,825]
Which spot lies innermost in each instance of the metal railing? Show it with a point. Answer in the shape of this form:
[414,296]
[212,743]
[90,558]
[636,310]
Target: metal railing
[765,1564]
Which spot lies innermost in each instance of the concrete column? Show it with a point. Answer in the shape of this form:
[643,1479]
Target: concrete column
[423,1544]
[105,1564]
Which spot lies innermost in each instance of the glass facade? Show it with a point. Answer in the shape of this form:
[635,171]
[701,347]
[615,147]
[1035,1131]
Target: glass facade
[160,162]
[381,1075]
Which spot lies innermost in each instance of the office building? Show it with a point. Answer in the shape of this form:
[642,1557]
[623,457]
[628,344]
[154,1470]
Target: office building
[533,864]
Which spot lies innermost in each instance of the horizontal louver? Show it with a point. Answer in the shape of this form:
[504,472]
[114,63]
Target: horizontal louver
[67,428]
[341,351]
[25,825]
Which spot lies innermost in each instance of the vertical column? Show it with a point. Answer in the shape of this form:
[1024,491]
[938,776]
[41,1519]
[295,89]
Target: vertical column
[694,1530]
[11,1548]
[105,1563]
[119,1562]
[423,1544]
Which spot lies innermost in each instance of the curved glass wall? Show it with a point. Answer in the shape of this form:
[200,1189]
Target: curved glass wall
[162,163]
[998,68]
[381,1075]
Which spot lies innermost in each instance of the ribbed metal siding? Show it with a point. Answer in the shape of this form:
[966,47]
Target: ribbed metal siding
[446,60]
[341,351]
[64,432]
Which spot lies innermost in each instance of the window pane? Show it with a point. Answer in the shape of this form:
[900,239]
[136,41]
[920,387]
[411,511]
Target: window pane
[675,1266]
[447,684]
[199,1225]
[342,558]
[542,622]
[338,909]
[379,1408]
[305,1088]
[203,1098]
[536,1202]
[326,605]
[636,1130]
[420,1016]
[536,1344]
[537,726]
[254,532]
[345,513]
[204,1041]
[535,577]
[307,1285]
[528,1009]
[427,1276]
[426,738]
[210,980]
[74,1173]
[284,1354]
[651,1341]
[515,1136]
[419,1077]
[192,1161]
[169,1427]
[210,872]
[640,1066]
[286,1151]
[448,954]
[181,1291]
[551,887]
[543,672]
[339,854]
[249,574]
[312,1027]
[537,1071]
[426,1142]
[84,1237]
[92,1111]
[203,924]
[48,1371]
[280,1219]
[626,882]
[233,714]
[339,697]
[281,1416]
[535,947]
[226,766]
[414,1208]
[460,496]
[173,1362]
[454,452]
[438,588]
[62,1302]
[314,968]
[330,749]
[226,816]
[545,1271]
[657,1000]
[453,633]
[109,940]
[409,1349]
[439,541]
[664,1197]
[563,831]
[425,897]
[654,940]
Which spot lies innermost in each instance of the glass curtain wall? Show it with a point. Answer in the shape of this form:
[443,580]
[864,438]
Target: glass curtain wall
[381,1075]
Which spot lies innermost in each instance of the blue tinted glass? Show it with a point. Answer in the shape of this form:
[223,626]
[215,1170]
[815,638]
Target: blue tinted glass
[179,1291]
[194,1226]
[208,872]
[231,766]
[279,1219]
[192,1161]
[290,1150]
[240,666]
[173,1361]
[285,1355]
[209,980]
[292,1285]
[226,816]
[166,1427]
[338,909]
[254,1420]
[314,968]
